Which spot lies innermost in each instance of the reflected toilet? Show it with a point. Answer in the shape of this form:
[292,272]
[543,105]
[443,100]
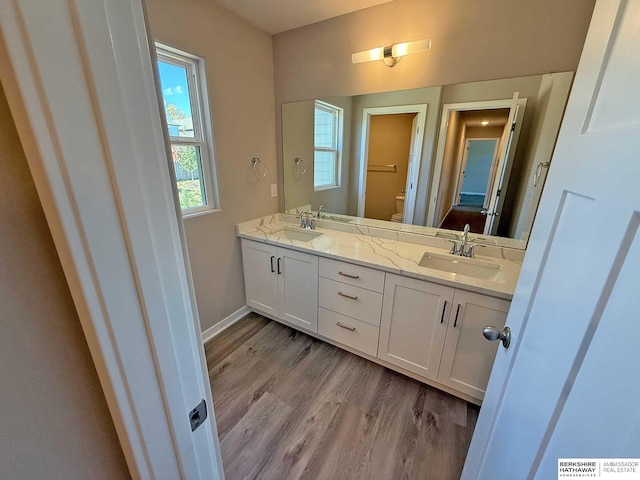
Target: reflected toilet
[399,216]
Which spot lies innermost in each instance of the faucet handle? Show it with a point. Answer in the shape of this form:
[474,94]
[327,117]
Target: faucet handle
[454,248]
[471,252]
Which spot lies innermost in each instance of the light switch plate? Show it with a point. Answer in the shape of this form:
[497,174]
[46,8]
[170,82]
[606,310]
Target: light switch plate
[274,190]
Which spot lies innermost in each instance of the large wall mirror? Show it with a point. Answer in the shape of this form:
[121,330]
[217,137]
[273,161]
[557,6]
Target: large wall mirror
[436,157]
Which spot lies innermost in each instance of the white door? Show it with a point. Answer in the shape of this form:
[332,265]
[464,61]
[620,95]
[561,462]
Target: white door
[503,168]
[412,171]
[297,276]
[467,357]
[259,263]
[569,386]
[414,324]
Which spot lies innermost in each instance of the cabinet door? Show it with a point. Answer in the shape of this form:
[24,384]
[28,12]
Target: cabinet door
[467,357]
[298,288]
[260,278]
[414,324]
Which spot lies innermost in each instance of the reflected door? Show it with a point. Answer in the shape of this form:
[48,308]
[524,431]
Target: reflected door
[505,162]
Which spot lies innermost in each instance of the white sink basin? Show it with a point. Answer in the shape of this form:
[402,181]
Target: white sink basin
[462,266]
[297,234]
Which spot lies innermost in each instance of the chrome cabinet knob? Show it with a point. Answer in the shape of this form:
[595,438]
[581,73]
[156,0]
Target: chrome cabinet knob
[491,333]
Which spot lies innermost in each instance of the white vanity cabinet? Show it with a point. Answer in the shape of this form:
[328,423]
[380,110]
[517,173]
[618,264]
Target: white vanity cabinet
[282,283]
[467,357]
[427,330]
[414,324]
[436,332]
[350,301]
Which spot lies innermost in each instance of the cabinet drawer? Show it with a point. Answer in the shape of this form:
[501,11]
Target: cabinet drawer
[351,274]
[352,301]
[353,333]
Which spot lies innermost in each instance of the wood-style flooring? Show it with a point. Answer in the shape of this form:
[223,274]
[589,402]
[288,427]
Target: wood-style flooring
[458,216]
[289,406]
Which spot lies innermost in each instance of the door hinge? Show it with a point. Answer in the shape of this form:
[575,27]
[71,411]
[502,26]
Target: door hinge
[513,127]
[498,192]
[198,415]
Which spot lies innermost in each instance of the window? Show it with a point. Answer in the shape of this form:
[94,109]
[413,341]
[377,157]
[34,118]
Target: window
[327,143]
[184,90]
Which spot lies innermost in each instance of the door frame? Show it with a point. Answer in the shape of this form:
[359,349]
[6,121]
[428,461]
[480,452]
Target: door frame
[70,67]
[463,165]
[418,139]
[442,136]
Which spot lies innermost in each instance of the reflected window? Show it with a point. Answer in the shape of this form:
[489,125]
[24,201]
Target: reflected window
[327,143]
[183,87]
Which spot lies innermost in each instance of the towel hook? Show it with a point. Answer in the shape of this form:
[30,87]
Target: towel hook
[255,163]
[301,170]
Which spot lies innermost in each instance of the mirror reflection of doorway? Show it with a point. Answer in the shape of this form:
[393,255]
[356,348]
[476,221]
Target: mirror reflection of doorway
[473,163]
[478,164]
[391,153]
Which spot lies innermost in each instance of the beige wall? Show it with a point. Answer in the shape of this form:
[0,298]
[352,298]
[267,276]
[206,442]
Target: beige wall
[389,143]
[428,96]
[298,128]
[470,41]
[551,102]
[453,140]
[239,68]
[480,132]
[54,422]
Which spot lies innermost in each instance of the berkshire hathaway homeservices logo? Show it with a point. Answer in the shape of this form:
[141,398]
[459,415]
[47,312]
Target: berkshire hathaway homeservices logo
[603,468]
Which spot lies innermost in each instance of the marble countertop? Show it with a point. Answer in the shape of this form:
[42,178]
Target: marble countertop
[387,254]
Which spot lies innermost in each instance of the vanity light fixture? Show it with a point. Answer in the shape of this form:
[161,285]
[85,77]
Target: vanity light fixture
[392,54]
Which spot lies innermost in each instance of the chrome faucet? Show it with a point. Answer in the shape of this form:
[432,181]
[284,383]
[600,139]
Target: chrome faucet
[464,249]
[465,235]
[320,210]
[306,220]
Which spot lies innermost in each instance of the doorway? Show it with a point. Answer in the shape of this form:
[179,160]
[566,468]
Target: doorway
[478,168]
[390,157]
[473,162]
[389,150]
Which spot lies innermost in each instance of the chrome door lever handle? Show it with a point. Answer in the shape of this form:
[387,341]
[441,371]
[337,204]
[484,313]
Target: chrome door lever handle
[491,333]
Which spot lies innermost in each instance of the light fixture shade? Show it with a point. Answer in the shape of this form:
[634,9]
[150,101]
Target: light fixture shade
[392,54]
[368,55]
[407,48]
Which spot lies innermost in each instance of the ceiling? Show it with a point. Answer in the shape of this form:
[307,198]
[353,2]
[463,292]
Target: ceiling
[496,117]
[275,16]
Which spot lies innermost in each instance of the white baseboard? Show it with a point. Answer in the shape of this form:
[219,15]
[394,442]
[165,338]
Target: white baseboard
[225,323]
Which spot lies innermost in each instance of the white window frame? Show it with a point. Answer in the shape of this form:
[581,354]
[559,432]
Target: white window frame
[337,144]
[202,127]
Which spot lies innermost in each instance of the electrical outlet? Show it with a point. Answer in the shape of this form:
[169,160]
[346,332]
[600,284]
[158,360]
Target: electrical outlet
[274,190]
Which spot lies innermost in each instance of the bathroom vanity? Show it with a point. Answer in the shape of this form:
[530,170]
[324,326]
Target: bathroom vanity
[396,298]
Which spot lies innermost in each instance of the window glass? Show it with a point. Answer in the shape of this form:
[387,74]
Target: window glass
[177,102]
[326,134]
[182,81]
[187,163]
